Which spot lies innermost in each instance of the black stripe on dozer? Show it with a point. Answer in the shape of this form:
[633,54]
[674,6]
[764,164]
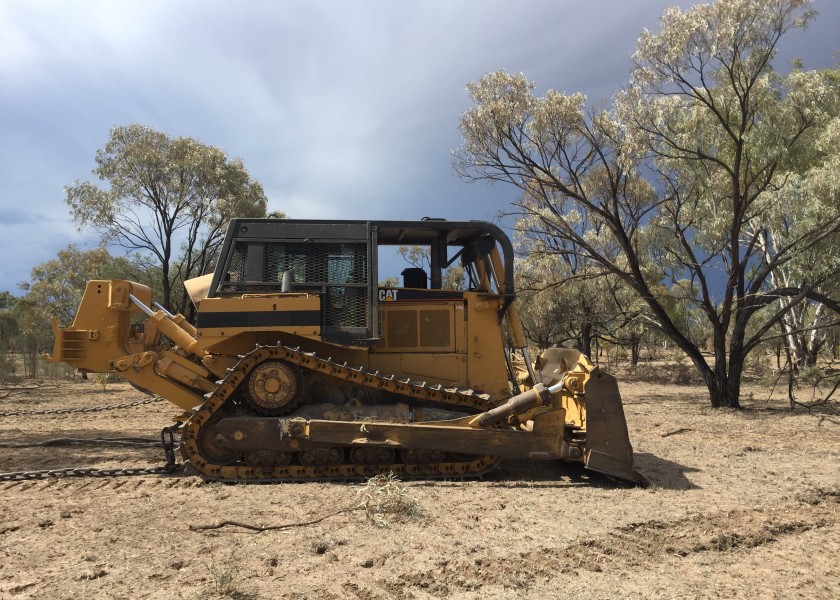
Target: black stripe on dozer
[286,318]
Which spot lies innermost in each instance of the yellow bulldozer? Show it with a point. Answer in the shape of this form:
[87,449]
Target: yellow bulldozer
[299,365]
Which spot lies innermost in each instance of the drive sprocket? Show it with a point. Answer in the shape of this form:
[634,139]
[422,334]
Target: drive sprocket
[274,387]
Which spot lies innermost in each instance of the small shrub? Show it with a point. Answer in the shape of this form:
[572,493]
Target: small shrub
[7,365]
[101,379]
[685,375]
[674,373]
[225,579]
[815,376]
[56,370]
[104,379]
[385,496]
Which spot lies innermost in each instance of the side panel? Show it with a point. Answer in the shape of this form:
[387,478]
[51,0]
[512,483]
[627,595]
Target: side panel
[439,340]
[222,318]
[420,336]
[418,327]
[486,367]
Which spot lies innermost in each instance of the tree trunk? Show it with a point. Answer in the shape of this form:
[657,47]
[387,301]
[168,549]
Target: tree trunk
[724,379]
[635,348]
[804,339]
[190,313]
[724,394]
[585,339]
[725,385]
[166,301]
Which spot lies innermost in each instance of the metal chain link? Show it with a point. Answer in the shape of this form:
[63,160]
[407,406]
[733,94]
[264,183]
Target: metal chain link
[167,438]
[71,441]
[85,472]
[87,409]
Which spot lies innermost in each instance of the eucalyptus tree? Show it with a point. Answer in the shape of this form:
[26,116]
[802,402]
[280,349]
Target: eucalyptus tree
[676,180]
[169,199]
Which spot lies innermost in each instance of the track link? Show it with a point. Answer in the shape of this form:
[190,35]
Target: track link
[309,362]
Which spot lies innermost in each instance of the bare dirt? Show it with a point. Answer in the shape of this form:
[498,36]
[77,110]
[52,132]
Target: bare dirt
[744,504]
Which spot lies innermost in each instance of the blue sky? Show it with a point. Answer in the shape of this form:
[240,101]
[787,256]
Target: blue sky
[340,109]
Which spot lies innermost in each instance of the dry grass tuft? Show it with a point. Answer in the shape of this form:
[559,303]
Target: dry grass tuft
[384,497]
[226,579]
[323,544]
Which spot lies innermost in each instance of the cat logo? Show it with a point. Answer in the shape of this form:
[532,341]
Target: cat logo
[387,295]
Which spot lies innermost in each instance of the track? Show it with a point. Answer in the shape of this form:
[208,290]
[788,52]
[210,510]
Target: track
[332,462]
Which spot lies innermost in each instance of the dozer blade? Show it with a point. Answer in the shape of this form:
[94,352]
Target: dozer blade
[608,448]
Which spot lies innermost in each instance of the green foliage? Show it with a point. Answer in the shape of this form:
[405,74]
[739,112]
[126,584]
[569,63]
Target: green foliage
[7,301]
[384,498]
[8,333]
[102,379]
[670,373]
[169,199]
[559,304]
[226,578]
[35,335]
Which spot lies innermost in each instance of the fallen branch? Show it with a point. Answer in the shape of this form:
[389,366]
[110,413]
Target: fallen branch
[273,527]
[827,403]
[675,432]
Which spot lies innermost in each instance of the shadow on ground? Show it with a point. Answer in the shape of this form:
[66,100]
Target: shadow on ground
[665,474]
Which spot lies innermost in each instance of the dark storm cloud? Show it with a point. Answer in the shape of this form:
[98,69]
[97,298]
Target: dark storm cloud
[339,109]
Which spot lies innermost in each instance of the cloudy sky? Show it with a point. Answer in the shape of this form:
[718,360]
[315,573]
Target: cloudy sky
[340,109]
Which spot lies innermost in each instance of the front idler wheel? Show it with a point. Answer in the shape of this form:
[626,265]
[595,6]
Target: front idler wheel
[213,447]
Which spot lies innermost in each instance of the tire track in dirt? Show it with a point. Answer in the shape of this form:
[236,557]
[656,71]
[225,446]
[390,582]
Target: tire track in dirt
[627,548]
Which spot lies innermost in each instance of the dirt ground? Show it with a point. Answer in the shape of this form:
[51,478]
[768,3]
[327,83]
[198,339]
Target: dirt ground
[743,505]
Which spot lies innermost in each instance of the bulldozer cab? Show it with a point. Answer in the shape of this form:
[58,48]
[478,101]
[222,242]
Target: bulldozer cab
[338,262]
